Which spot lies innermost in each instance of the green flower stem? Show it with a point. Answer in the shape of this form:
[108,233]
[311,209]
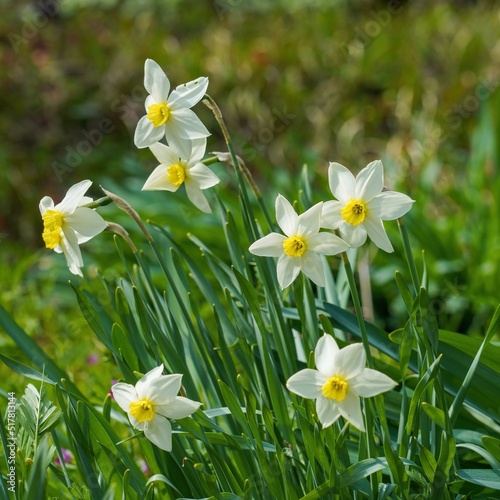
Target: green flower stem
[101,202]
[211,160]
[409,255]
[242,171]
[357,308]
[369,422]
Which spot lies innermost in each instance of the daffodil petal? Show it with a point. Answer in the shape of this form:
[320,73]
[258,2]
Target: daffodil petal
[270,245]
[197,198]
[324,355]
[354,236]
[312,266]
[350,361]
[350,409]
[198,148]
[159,181]
[371,382]
[124,394]
[327,410]
[342,182]
[146,134]
[156,81]
[73,197]
[161,389]
[308,222]
[71,250]
[180,407]
[376,232]
[286,217]
[149,100]
[136,424]
[370,181]
[326,244]
[331,216]
[183,147]
[46,203]
[390,205]
[143,384]
[306,383]
[164,154]
[188,94]
[159,432]
[202,176]
[288,269]
[86,222]
[190,126]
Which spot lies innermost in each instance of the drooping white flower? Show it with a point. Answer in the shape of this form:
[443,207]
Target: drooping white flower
[169,115]
[151,402]
[300,248]
[338,382]
[362,205]
[177,168]
[68,224]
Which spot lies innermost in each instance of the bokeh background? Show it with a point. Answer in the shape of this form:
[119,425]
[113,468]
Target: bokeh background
[299,82]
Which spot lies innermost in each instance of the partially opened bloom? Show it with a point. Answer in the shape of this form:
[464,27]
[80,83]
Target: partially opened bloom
[338,382]
[300,248]
[68,224]
[177,168]
[151,402]
[169,115]
[362,205]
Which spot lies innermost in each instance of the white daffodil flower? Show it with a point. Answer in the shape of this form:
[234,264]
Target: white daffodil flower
[151,402]
[340,379]
[300,249]
[169,115]
[177,168]
[68,224]
[362,205]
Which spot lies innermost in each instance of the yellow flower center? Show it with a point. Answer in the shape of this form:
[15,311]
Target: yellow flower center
[158,114]
[177,173]
[294,246]
[53,221]
[354,212]
[143,410]
[335,388]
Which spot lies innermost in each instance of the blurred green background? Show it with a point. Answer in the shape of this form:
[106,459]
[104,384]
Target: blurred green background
[413,83]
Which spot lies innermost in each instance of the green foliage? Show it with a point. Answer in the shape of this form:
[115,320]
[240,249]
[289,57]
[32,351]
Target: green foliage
[195,300]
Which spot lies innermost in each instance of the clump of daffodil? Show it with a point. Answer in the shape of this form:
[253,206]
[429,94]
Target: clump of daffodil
[338,382]
[167,115]
[151,402]
[362,205]
[301,247]
[68,224]
[184,167]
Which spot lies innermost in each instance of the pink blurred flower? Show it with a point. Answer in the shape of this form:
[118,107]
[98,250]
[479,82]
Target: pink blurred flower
[93,359]
[67,456]
[144,467]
